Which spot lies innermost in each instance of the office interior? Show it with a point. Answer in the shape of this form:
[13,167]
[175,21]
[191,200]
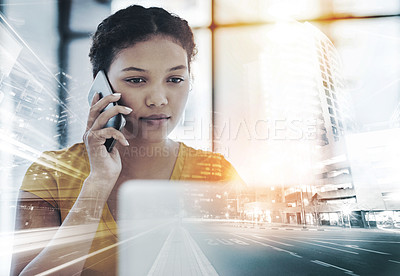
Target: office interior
[302,97]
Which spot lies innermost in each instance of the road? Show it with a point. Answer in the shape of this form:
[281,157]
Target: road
[292,251]
[196,247]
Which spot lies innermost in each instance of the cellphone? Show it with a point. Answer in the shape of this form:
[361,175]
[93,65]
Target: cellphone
[102,86]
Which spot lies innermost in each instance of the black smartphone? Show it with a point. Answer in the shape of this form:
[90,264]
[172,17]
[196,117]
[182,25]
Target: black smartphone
[102,86]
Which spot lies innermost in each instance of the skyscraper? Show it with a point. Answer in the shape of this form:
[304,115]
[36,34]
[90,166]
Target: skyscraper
[303,91]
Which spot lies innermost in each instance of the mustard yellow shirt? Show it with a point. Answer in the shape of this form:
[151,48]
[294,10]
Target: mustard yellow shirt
[57,177]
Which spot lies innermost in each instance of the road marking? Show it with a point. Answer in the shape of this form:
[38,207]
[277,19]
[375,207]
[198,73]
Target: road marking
[169,249]
[237,241]
[205,266]
[77,260]
[163,254]
[357,247]
[272,240]
[338,249]
[211,242]
[224,241]
[356,240]
[217,242]
[393,261]
[334,266]
[271,246]
[63,256]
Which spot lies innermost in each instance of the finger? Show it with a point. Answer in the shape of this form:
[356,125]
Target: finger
[103,102]
[98,137]
[96,98]
[98,106]
[105,116]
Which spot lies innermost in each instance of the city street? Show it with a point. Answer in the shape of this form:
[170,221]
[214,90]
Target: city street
[196,247]
[293,251]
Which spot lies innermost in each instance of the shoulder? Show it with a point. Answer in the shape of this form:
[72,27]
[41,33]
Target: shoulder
[75,151]
[57,172]
[205,165]
[71,160]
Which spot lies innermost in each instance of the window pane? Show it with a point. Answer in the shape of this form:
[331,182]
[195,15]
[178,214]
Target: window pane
[79,80]
[370,51]
[194,129]
[368,7]
[269,82]
[86,15]
[228,11]
[196,12]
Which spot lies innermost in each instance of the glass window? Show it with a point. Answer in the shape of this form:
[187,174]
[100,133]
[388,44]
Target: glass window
[196,12]
[79,80]
[368,7]
[239,11]
[244,82]
[194,129]
[79,20]
[327,93]
[369,51]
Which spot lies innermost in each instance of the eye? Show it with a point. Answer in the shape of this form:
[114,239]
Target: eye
[135,80]
[175,80]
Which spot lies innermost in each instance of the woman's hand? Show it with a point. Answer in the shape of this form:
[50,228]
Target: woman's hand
[104,164]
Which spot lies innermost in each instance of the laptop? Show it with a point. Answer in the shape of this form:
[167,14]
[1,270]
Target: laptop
[155,221]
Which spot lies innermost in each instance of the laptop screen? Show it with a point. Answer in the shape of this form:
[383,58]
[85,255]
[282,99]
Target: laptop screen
[156,219]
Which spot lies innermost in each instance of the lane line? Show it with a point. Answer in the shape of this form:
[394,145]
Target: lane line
[393,261]
[334,266]
[67,264]
[262,238]
[162,255]
[355,240]
[205,266]
[338,249]
[358,248]
[63,256]
[271,246]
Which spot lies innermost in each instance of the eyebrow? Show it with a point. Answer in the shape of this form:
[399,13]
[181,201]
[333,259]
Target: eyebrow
[179,67]
[134,69]
[131,68]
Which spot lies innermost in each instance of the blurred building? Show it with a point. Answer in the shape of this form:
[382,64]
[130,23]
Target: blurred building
[304,90]
[375,163]
[329,178]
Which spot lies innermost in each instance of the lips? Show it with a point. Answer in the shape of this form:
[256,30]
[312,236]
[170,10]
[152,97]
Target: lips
[155,117]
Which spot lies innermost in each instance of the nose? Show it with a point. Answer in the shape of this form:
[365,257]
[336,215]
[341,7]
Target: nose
[156,96]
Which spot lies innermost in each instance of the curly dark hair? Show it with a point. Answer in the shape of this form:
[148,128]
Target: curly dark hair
[135,24]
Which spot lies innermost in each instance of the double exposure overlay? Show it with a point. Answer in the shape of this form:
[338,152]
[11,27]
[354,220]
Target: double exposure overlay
[293,109]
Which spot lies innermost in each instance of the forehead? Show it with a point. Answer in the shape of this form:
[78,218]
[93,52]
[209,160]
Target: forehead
[155,52]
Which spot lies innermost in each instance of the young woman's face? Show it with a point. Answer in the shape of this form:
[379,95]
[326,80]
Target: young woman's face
[153,78]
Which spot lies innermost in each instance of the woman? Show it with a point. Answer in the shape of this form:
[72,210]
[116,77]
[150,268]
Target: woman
[146,55]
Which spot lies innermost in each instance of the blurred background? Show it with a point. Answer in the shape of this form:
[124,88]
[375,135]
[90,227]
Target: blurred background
[302,96]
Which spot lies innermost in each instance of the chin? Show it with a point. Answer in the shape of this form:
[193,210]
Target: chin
[155,133]
[154,136]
